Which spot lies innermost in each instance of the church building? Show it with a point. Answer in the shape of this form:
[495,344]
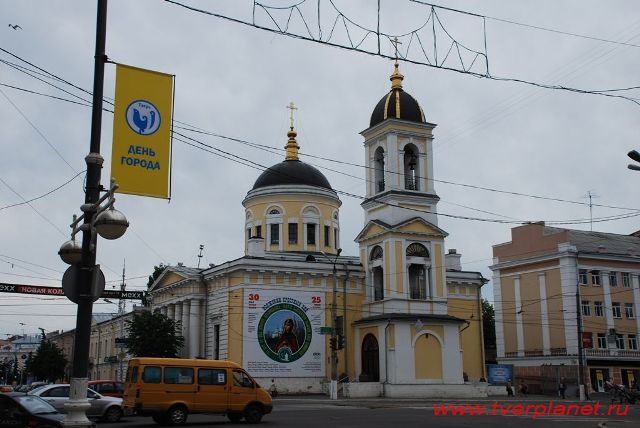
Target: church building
[407,317]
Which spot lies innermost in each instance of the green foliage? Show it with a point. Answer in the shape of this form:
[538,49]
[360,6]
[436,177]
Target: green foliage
[153,335]
[48,363]
[157,271]
[488,325]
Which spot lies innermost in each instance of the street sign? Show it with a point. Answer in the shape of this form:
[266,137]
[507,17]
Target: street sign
[111,359]
[325,330]
[58,291]
[121,342]
[71,283]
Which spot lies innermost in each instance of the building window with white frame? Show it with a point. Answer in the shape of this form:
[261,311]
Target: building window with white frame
[327,234]
[311,233]
[626,279]
[620,341]
[274,229]
[615,308]
[595,278]
[598,309]
[628,311]
[293,233]
[586,308]
[633,342]
[613,279]
[602,341]
[582,277]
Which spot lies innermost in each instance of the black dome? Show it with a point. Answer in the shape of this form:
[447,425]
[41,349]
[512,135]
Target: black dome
[397,104]
[292,172]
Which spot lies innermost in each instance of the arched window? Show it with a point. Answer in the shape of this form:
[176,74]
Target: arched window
[379,169]
[274,211]
[417,250]
[376,253]
[378,283]
[411,175]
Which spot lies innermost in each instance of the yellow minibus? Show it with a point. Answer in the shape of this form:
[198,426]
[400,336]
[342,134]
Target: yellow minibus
[168,389]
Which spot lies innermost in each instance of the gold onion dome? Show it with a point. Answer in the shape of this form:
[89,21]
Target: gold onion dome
[397,104]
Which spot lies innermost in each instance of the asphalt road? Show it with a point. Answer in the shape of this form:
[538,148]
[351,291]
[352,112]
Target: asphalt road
[315,412]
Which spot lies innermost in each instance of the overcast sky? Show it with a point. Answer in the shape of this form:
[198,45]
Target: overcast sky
[236,80]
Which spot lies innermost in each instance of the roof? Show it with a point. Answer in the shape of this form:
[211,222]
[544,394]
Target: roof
[409,317]
[397,104]
[292,172]
[593,242]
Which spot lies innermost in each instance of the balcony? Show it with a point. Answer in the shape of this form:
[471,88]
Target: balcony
[618,354]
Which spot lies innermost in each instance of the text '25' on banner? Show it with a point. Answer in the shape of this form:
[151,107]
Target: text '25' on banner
[141,152]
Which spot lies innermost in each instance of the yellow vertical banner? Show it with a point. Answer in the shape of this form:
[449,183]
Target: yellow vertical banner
[141,150]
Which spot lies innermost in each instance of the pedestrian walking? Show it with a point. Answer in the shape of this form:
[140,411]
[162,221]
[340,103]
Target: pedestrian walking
[562,388]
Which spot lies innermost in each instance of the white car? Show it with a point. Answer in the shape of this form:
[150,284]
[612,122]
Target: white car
[106,408]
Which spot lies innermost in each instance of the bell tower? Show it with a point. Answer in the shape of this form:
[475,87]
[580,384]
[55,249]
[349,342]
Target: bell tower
[401,245]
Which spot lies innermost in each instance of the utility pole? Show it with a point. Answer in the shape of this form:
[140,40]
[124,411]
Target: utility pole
[333,388]
[579,329]
[121,311]
[78,404]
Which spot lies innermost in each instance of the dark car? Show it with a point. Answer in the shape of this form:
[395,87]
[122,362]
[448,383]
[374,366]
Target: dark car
[110,388]
[22,411]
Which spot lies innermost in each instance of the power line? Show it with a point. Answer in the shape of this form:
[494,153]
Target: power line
[43,195]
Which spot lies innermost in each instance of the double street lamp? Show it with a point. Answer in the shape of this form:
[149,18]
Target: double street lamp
[633,154]
[333,386]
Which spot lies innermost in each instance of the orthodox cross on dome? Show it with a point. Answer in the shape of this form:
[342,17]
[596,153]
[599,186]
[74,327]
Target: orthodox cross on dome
[292,145]
[291,107]
[395,42]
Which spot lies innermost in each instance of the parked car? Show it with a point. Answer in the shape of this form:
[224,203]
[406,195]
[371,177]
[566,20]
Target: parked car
[108,409]
[110,388]
[6,388]
[20,410]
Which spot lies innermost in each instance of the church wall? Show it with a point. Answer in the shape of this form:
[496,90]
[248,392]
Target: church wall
[470,337]
[235,334]
[438,268]
[428,358]
[400,268]
[217,313]
[388,278]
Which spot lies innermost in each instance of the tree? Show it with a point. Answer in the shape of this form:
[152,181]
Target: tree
[48,363]
[157,271]
[153,335]
[488,325]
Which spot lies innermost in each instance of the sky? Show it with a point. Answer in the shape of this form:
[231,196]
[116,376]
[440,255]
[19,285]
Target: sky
[511,139]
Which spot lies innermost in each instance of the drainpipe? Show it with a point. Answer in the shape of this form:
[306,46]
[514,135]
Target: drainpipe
[386,359]
[344,319]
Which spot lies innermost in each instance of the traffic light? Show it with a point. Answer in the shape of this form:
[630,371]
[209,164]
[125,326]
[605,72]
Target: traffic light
[332,343]
[340,342]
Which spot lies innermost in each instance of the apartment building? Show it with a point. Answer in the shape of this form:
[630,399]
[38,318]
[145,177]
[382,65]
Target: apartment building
[557,289]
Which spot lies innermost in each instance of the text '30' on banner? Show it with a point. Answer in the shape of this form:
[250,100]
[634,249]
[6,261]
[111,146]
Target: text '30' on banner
[141,152]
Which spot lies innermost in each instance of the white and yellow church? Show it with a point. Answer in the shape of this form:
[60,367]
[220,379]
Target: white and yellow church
[407,315]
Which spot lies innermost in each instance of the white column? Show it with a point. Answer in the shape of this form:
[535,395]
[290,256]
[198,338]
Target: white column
[163,310]
[178,314]
[568,284]
[518,309]
[194,329]
[171,311]
[186,309]
[497,302]
[635,284]
[544,314]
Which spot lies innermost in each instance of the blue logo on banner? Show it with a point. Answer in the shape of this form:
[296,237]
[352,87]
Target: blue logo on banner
[143,117]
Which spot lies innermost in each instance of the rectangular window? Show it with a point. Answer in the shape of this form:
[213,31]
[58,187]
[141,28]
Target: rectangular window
[595,278]
[616,310]
[628,310]
[311,234]
[582,277]
[598,308]
[626,280]
[586,308]
[274,229]
[602,341]
[212,376]
[633,342]
[335,238]
[258,231]
[178,375]
[613,279]
[327,233]
[293,233]
[132,374]
[151,374]
[620,341]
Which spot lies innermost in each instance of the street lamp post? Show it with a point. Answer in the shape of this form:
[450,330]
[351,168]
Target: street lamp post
[107,222]
[333,388]
[633,154]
